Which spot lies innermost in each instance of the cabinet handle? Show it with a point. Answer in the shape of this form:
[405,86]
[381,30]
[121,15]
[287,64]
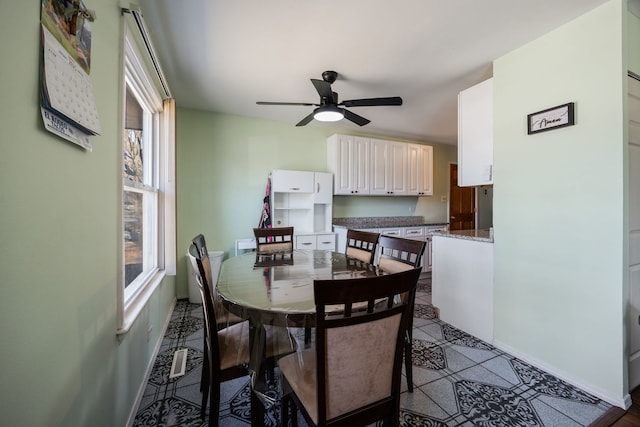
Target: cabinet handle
[326,243]
[318,186]
[308,243]
[295,188]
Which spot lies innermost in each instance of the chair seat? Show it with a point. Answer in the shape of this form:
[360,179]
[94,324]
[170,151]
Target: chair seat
[300,370]
[234,343]
[393,266]
[225,318]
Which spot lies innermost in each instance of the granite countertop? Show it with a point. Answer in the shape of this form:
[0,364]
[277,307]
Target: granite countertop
[483,235]
[383,222]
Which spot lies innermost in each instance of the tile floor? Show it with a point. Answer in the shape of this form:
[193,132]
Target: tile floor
[459,381]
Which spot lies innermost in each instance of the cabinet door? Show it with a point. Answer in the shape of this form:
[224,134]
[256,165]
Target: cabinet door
[420,170]
[323,188]
[397,170]
[475,135]
[348,159]
[287,181]
[379,167]
[360,179]
[388,168]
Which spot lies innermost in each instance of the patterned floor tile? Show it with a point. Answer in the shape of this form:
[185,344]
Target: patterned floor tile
[458,379]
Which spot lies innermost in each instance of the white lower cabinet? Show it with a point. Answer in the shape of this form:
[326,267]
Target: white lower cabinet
[464,296]
[325,242]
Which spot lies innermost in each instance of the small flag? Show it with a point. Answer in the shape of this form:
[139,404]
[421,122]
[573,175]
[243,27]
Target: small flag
[265,218]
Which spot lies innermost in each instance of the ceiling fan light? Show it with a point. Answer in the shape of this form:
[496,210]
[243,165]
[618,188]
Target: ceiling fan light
[328,113]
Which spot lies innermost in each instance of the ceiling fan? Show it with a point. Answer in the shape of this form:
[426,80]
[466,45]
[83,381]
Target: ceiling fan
[329,110]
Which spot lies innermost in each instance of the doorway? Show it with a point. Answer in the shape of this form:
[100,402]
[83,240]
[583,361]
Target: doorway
[633,154]
[462,203]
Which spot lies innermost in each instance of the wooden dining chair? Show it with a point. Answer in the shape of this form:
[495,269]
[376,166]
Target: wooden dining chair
[362,245]
[398,254]
[223,316]
[227,352]
[352,376]
[273,240]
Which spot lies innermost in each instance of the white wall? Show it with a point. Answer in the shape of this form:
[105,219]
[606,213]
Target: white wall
[559,203]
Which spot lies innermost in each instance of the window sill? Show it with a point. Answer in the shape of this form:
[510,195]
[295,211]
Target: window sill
[137,303]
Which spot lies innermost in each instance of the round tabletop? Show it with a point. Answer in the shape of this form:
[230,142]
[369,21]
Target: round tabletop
[283,285]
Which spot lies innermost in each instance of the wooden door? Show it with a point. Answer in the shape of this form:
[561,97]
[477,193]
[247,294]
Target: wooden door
[462,203]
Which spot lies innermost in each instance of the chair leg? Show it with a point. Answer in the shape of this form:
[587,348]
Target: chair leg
[408,362]
[204,377]
[284,411]
[307,337]
[203,403]
[214,405]
[294,414]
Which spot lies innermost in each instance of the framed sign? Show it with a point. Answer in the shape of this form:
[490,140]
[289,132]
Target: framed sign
[551,118]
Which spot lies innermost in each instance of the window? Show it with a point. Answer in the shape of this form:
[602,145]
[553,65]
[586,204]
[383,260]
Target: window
[148,222]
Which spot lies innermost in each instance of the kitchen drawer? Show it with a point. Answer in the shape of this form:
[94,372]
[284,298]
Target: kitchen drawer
[306,241]
[326,242]
[430,230]
[394,232]
[415,233]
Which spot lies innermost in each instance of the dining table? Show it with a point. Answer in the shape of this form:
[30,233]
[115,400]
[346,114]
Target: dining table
[277,290]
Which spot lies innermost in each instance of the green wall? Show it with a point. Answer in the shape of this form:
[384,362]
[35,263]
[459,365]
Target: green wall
[223,164]
[559,203]
[63,364]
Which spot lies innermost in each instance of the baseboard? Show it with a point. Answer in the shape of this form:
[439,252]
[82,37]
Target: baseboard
[623,403]
[143,385]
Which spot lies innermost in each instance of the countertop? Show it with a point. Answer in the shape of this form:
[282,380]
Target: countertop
[484,235]
[383,222]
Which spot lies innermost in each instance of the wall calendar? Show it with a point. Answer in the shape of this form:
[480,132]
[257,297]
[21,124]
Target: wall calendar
[68,105]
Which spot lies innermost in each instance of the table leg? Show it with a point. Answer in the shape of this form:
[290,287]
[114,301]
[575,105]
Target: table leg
[257,347]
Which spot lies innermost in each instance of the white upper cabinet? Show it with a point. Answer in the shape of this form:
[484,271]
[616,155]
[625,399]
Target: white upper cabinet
[364,166]
[287,181]
[302,200]
[420,167]
[388,168]
[348,159]
[475,135]
[323,188]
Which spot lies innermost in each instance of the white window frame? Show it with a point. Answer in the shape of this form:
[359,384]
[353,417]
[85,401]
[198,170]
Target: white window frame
[159,184]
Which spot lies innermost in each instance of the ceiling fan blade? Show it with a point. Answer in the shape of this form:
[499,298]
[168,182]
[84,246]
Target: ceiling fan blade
[323,88]
[306,104]
[305,120]
[359,120]
[372,102]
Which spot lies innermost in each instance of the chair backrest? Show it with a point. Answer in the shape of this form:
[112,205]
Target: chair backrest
[210,330]
[273,240]
[398,254]
[361,245]
[359,353]
[204,267]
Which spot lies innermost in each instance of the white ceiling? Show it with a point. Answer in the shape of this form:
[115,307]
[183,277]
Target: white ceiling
[224,55]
